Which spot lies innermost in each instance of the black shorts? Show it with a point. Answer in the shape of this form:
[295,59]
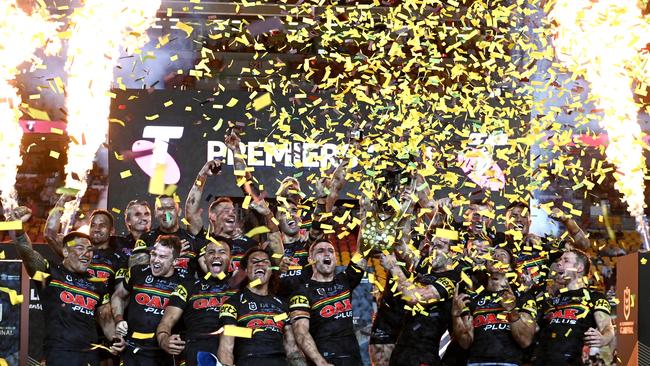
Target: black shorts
[409,356]
[68,358]
[145,357]
[262,360]
[386,326]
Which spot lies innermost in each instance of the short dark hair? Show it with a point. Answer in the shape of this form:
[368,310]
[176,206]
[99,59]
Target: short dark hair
[172,242]
[521,204]
[218,201]
[480,197]
[316,242]
[583,258]
[71,236]
[243,264]
[105,213]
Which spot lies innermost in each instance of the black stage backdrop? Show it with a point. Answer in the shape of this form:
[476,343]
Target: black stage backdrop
[191,125]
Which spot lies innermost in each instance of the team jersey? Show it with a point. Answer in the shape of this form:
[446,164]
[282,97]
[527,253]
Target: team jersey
[387,321]
[186,264]
[238,246]
[200,301]
[563,321]
[105,265]
[424,324]
[535,259]
[265,315]
[124,245]
[330,312]
[493,341]
[299,271]
[70,301]
[148,298]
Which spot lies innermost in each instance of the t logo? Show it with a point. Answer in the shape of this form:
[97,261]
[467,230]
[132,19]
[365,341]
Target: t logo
[149,154]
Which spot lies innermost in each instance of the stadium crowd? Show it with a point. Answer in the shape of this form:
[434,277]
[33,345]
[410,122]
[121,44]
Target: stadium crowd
[177,289]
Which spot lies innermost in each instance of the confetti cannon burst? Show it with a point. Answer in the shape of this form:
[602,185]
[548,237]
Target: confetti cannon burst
[21,34]
[99,30]
[601,40]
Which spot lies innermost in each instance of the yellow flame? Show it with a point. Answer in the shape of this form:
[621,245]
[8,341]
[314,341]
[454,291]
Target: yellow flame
[602,40]
[20,35]
[99,29]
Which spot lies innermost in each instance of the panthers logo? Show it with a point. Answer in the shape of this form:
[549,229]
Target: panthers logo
[181,292]
[228,310]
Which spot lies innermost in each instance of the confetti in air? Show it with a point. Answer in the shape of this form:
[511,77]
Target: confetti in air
[21,34]
[99,30]
[602,41]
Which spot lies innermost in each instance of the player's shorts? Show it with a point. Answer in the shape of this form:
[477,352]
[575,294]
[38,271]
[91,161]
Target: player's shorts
[68,358]
[193,347]
[409,356]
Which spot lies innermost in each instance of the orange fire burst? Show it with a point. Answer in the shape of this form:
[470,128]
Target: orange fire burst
[20,35]
[99,30]
[601,40]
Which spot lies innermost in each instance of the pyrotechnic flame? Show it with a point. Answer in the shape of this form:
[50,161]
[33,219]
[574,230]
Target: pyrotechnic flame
[99,29]
[602,39]
[20,35]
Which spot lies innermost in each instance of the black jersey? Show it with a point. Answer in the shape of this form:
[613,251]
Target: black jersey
[201,300]
[124,245]
[105,265]
[186,265]
[265,315]
[424,325]
[535,259]
[149,296]
[330,312]
[238,246]
[70,301]
[388,319]
[493,341]
[299,271]
[563,321]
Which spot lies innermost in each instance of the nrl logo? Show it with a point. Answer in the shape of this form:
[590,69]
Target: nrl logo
[627,302]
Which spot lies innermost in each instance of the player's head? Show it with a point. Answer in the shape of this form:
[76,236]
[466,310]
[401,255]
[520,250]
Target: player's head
[77,251]
[323,256]
[137,216]
[573,265]
[500,261]
[290,189]
[439,255]
[167,212]
[162,255]
[289,218]
[478,249]
[518,217]
[217,257]
[480,214]
[101,227]
[257,265]
[223,217]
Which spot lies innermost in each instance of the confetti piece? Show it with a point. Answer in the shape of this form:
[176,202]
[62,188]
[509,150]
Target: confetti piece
[54,154]
[14,298]
[280,317]
[255,282]
[447,234]
[235,331]
[138,335]
[257,231]
[232,102]
[188,29]
[125,174]
[157,181]
[262,101]
[11,225]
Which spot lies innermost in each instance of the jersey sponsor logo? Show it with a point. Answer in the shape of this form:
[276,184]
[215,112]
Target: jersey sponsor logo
[603,305]
[213,302]
[100,271]
[228,310]
[82,300]
[491,322]
[153,300]
[563,316]
[183,263]
[181,292]
[338,309]
[264,320]
[447,284]
[299,301]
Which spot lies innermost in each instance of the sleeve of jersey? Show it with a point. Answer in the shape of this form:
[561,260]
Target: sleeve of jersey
[445,287]
[228,312]
[354,274]
[601,303]
[139,247]
[180,295]
[527,304]
[299,301]
[127,280]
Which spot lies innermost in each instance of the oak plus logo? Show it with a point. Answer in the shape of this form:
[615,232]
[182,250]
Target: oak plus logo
[149,154]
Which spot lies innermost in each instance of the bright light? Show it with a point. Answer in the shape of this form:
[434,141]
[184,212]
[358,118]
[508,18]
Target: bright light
[99,30]
[20,35]
[601,40]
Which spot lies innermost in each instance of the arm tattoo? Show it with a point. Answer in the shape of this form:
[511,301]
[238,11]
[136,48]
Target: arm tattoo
[32,259]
